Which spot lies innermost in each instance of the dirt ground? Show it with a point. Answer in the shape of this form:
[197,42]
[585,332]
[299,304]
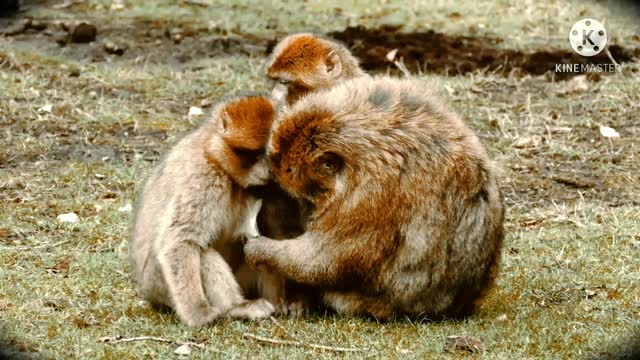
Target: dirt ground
[83,122]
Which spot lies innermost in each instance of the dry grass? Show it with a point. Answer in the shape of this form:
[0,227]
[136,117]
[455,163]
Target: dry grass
[568,286]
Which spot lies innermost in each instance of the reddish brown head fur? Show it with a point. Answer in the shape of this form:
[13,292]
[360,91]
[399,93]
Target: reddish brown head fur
[247,122]
[302,158]
[301,55]
[237,136]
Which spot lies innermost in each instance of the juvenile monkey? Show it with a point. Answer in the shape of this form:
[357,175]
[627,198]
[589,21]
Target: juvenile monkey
[193,211]
[302,63]
[407,217]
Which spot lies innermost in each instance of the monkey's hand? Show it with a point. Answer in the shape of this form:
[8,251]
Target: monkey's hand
[258,252]
[301,259]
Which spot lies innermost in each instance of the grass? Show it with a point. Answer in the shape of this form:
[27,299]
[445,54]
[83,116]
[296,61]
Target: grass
[568,286]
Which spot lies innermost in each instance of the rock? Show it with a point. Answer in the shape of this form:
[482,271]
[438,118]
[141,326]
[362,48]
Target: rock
[195,111]
[126,208]
[61,38]
[578,84]
[68,218]
[465,343]
[524,142]
[83,32]
[609,132]
[114,48]
[183,350]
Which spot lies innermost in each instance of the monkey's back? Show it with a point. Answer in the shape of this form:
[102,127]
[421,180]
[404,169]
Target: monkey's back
[179,189]
[420,184]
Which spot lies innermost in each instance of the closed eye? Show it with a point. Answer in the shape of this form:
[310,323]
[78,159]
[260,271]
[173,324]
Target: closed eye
[249,155]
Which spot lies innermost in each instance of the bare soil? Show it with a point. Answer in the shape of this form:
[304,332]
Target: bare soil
[427,52]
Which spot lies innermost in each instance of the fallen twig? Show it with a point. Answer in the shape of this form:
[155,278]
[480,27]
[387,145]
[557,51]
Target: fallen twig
[51,245]
[283,328]
[115,340]
[299,343]
[196,3]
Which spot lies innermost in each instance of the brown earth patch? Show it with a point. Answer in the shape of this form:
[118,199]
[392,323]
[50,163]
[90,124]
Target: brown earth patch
[180,43]
[440,53]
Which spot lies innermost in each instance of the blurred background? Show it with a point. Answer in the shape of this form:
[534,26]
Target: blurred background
[93,92]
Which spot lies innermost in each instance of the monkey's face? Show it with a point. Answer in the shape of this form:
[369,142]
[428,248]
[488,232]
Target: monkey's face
[301,64]
[289,91]
[302,157]
[258,173]
[245,125]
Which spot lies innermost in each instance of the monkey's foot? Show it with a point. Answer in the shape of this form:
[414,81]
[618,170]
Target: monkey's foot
[199,315]
[252,310]
[294,309]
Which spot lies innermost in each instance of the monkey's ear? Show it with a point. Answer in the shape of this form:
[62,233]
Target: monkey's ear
[224,121]
[333,64]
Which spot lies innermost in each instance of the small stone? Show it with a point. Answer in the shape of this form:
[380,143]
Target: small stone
[206,102]
[61,38]
[114,48]
[83,33]
[578,84]
[391,55]
[609,132]
[46,108]
[527,142]
[68,218]
[125,209]
[117,5]
[183,350]
[464,343]
[195,111]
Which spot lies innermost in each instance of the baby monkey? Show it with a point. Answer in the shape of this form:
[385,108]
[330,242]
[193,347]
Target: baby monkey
[194,210]
[302,63]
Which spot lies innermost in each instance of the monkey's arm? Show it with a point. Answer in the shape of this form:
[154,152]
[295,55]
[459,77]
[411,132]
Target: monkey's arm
[301,259]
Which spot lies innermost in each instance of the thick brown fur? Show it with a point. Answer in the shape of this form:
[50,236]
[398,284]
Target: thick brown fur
[195,209]
[407,216]
[302,63]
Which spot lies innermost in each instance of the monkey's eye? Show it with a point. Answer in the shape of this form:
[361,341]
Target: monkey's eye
[248,155]
[283,82]
[274,159]
[330,162]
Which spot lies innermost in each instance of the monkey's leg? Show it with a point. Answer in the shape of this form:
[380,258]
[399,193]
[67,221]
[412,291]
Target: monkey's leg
[252,309]
[300,259]
[271,287]
[220,285]
[356,304]
[180,264]
[224,293]
[152,283]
